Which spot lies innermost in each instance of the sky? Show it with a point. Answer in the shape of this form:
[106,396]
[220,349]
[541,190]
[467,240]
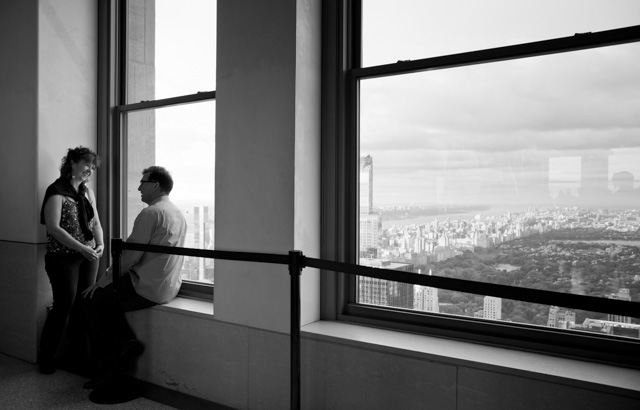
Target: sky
[185,64]
[475,134]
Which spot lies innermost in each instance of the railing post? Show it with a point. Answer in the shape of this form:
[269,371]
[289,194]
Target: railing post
[116,253]
[296,263]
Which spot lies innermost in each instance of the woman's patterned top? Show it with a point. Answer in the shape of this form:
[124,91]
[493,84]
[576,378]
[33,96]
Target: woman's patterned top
[69,222]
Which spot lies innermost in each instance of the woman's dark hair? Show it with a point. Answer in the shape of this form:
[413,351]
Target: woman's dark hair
[161,176]
[76,155]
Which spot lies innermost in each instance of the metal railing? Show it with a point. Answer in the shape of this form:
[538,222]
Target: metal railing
[296,261]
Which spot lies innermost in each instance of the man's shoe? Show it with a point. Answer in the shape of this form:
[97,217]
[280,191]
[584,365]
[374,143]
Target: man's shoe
[120,391]
[99,381]
[129,351]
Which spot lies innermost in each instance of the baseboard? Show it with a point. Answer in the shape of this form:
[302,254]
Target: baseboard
[176,399]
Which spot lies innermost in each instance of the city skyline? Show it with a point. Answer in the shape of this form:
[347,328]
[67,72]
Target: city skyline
[414,247]
[420,241]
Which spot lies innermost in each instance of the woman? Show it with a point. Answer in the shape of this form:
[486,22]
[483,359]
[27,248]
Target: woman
[74,247]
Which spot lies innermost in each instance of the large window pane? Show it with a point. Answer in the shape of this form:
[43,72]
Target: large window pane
[181,139]
[171,48]
[524,173]
[416,29]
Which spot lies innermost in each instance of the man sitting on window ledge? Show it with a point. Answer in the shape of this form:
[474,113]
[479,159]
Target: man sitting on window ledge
[147,279]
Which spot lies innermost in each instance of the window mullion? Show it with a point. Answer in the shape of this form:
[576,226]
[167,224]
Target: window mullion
[561,45]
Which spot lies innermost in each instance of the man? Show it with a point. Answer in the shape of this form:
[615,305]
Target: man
[146,279]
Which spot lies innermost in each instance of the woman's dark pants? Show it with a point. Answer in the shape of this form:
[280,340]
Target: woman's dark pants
[69,275]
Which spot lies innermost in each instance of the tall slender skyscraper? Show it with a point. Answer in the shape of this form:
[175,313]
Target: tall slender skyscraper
[369,220]
[366,184]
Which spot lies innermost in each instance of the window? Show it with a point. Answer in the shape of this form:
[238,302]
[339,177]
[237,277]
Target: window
[166,116]
[484,146]
[183,139]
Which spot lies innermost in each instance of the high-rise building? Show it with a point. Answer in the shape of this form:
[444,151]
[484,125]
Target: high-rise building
[372,291]
[369,235]
[370,223]
[492,308]
[208,235]
[199,236]
[384,292]
[426,298]
[366,184]
[562,319]
[552,321]
[623,294]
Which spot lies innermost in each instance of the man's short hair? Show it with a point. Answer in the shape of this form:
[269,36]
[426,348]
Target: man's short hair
[161,176]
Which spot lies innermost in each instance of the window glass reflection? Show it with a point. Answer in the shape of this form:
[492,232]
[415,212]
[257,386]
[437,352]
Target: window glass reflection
[524,173]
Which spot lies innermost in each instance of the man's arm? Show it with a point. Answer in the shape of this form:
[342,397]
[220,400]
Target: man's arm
[142,232]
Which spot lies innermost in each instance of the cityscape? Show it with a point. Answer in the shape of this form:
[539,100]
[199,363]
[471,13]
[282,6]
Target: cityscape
[200,228]
[566,248]
[559,247]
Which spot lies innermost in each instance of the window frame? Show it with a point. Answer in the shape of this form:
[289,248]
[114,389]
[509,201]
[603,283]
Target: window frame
[112,110]
[342,71]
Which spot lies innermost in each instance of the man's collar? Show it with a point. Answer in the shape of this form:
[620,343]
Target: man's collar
[160,198]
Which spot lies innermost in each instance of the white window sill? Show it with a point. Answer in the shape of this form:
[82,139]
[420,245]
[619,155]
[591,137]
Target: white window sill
[187,306]
[473,355]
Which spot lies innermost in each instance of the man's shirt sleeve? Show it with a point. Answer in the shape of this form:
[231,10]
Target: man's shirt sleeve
[142,232]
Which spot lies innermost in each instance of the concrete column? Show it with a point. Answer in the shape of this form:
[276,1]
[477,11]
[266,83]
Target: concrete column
[267,156]
[47,105]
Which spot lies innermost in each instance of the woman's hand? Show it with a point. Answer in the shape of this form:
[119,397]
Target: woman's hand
[99,250]
[89,253]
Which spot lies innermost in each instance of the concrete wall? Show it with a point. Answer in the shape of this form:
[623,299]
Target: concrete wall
[357,368]
[47,104]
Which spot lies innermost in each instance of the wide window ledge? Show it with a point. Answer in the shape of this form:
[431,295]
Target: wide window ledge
[475,355]
[187,306]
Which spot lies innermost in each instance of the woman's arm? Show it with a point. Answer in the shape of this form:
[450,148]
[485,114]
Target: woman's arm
[97,227]
[52,215]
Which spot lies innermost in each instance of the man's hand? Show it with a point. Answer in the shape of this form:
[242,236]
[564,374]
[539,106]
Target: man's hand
[104,281]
